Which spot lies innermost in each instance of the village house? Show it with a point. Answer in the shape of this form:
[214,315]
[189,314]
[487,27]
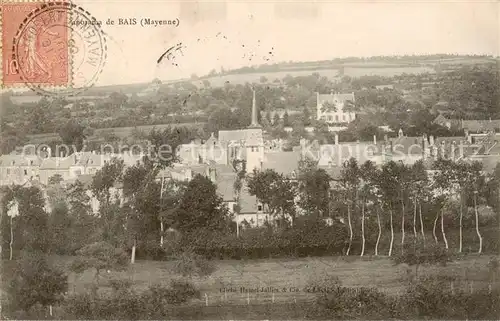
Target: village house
[339,103]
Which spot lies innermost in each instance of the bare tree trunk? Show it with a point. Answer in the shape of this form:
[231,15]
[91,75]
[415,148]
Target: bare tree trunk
[477,225]
[363,228]
[132,257]
[11,238]
[460,224]
[434,228]
[161,231]
[402,224]
[421,222]
[379,232]
[442,229]
[392,233]
[415,220]
[350,228]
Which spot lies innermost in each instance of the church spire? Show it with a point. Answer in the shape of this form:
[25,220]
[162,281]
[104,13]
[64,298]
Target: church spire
[255,121]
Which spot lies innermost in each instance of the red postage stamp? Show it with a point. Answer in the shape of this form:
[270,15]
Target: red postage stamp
[34,45]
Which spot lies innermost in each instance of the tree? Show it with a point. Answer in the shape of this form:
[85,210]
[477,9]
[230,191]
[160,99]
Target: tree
[368,177]
[314,189]
[36,282]
[170,198]
[40,121]
[72,134]
[306,117]
[141,206]
[276,119]
[418,187]
[99,256]
[350,180]
[60,226]
[201,208]
[286,121]
[444,184]
[55,179]
[268,117]
[105,178]
[263,79]
[83,222]
[276,192]
[388,184]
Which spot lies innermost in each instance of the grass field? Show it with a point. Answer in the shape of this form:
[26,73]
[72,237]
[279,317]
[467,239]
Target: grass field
[352,71]
[121,132]
[291,274]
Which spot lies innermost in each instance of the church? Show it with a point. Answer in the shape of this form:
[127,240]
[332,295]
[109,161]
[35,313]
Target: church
[241,144]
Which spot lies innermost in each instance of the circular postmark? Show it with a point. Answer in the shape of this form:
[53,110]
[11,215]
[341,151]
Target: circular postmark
[59,49]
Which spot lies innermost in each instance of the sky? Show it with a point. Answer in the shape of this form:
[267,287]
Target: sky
[239,33]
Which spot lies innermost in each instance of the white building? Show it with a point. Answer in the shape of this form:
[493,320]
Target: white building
[337,103]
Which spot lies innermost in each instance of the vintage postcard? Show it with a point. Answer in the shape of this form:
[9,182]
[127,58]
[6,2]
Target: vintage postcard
[259,160]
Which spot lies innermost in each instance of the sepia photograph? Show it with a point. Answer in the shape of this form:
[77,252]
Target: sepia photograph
[249,160]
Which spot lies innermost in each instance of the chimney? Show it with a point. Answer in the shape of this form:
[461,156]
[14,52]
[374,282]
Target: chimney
[336,138]
[374,139]
[255,122]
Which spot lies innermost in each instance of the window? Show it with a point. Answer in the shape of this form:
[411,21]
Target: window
[336,118]
[8,171]
[31,162]
[330,118]
[344,117]
[259,208]
[25,172]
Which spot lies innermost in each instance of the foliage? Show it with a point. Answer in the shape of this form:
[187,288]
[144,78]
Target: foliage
[99,256]
[201,207]
[106,177]
[417,254]
[314,190]
[72,134]
[36,282]
[190,264]
[154,303]
[275,191]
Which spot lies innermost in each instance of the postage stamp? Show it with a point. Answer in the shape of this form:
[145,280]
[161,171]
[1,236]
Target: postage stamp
[53,48]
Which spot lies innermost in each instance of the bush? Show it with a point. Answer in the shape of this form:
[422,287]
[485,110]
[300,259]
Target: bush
[35,282]
[154,303]
[431,297]
[417,254]
[356,303]
[190,264]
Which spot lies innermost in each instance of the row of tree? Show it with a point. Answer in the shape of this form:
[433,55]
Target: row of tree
[408,196]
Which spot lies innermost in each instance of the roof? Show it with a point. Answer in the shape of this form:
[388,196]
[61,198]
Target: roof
[282,162]
[249,137]
[408,145]
[20,160]
[337,154]
[339,97]
[85,179]
[248,203]
[225,187]
[489,162]
[480,125]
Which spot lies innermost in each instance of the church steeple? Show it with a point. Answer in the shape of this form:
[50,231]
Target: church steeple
[255,121]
